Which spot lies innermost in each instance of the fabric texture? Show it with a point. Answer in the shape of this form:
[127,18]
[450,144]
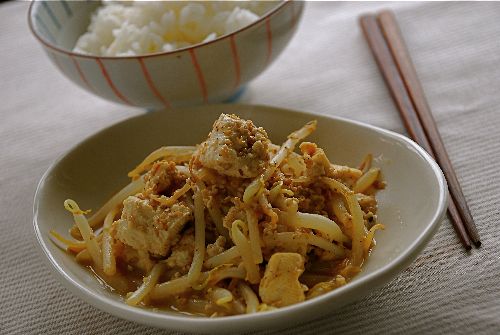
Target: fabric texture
[328,69]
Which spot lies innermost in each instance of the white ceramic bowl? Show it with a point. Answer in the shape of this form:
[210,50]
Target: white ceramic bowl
[411,207]
[204,73]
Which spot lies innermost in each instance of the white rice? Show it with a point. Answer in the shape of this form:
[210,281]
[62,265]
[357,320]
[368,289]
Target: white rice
[142,27]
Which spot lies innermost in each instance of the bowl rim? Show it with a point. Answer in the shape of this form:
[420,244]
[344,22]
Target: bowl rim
[181,321]
[50,45]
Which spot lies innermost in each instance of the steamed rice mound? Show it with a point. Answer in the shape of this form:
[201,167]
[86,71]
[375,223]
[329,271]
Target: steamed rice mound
[137,28]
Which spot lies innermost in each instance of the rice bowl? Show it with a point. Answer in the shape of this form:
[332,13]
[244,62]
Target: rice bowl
[208,72]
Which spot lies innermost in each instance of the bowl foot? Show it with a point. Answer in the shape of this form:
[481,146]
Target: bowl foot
[236,96]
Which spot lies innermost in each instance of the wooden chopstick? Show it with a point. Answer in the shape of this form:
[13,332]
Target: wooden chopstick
[404,103]
[394,38]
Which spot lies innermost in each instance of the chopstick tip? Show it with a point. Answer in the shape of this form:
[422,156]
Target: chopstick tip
[385,12]
[366,17]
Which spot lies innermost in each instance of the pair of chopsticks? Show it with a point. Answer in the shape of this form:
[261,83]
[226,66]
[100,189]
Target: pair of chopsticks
[386,42]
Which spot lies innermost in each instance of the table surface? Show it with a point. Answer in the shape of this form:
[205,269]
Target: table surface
[326,69]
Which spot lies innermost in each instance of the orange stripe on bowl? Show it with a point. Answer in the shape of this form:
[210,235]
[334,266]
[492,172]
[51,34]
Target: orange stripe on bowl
[80,72]
[151,84]
[199,74]
[236,61]
[292,13]
[269,40]
[110,83]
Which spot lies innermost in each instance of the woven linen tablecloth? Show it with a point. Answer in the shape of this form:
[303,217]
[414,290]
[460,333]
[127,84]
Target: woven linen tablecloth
[327,69]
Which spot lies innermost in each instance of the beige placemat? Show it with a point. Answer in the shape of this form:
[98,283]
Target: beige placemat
[327,69]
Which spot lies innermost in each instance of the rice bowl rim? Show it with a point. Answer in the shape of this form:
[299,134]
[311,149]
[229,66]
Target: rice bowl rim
[282,3]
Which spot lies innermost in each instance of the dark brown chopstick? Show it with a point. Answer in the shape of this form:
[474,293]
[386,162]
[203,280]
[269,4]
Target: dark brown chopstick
[404,103]
[394,38]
